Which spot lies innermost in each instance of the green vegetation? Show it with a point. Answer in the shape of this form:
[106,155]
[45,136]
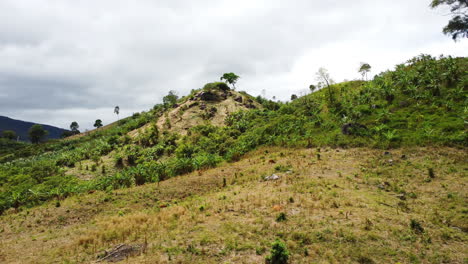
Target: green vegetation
[420,103]
[230,78]
[9,134]
[279,253]
[98,123]
[37,133]
[74,127]
[457,27]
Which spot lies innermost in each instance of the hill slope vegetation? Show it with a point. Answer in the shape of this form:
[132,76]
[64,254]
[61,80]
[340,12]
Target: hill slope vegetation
[338,191]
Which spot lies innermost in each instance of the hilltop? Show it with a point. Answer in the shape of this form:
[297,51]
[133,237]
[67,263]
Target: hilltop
[366,169]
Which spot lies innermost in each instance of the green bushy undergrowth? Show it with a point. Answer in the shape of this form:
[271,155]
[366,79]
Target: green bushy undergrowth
[421,102]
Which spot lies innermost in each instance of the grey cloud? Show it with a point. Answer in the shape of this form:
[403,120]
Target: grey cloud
[81,56]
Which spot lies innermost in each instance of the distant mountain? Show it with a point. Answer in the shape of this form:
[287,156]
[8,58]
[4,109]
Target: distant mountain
[21,128]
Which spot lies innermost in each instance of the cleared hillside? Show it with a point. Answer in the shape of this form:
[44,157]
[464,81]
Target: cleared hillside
[351,205]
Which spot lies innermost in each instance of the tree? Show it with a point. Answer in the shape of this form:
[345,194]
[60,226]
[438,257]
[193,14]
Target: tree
[293,97]
[9,134]
[98,123]
[457,27]
[230,78]
[170,99]
[74,127]
[117,111]
[322,75]
[312,88]
[37,133]
[364,69]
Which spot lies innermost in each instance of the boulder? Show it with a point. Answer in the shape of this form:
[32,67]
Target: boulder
[209,96]
[273,177]
[352,128]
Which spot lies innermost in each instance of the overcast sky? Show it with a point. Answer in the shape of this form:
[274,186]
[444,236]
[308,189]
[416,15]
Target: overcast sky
[68,60]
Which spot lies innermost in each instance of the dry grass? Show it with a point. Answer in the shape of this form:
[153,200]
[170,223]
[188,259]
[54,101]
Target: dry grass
[351,206]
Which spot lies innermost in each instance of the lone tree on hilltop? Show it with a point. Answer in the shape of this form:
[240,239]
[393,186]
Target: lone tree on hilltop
[9,134]
[37,133]
[364,69]
[323,76]
[170,99]
[457,27]
[312,88]
[74,127]
[98,123]
[230,78]
[117,111]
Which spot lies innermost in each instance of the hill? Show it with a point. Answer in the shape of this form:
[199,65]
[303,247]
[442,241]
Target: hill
[21,128]
[366,171]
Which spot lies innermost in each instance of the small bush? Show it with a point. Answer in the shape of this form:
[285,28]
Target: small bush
[278,254]
[431,173]
[281,217]
[416,226]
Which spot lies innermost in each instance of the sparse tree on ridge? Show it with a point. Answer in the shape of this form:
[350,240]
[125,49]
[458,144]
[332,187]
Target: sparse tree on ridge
[37,133]
[364,69]
[170,99]
[323,76]
[312,88]
[98,123]
[457,27]
[230,78]
[293,97]
[74,127]
[9,134]
[117,111]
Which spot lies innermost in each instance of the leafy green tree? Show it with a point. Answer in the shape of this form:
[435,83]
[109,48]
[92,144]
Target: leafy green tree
[170,99]
[457,27]
[364,69]
[98,123]
[230,78]
[117,111]
[312,88]
[74,127]
[323,76]
[9,134]
[37,133]
[293,97]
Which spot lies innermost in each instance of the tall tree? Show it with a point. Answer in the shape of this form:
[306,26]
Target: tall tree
[364,69]
[293,97]
[98,123]
[457,27]
[230,78]
[323,76]
[312,88]
[9,134]
[117,111]
[37,133]
[74,127]
[170,99]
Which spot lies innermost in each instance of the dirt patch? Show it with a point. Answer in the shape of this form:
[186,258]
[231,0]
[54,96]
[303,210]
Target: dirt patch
[201,110]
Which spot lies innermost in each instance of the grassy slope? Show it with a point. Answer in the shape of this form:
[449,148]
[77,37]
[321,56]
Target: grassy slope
[344,208]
